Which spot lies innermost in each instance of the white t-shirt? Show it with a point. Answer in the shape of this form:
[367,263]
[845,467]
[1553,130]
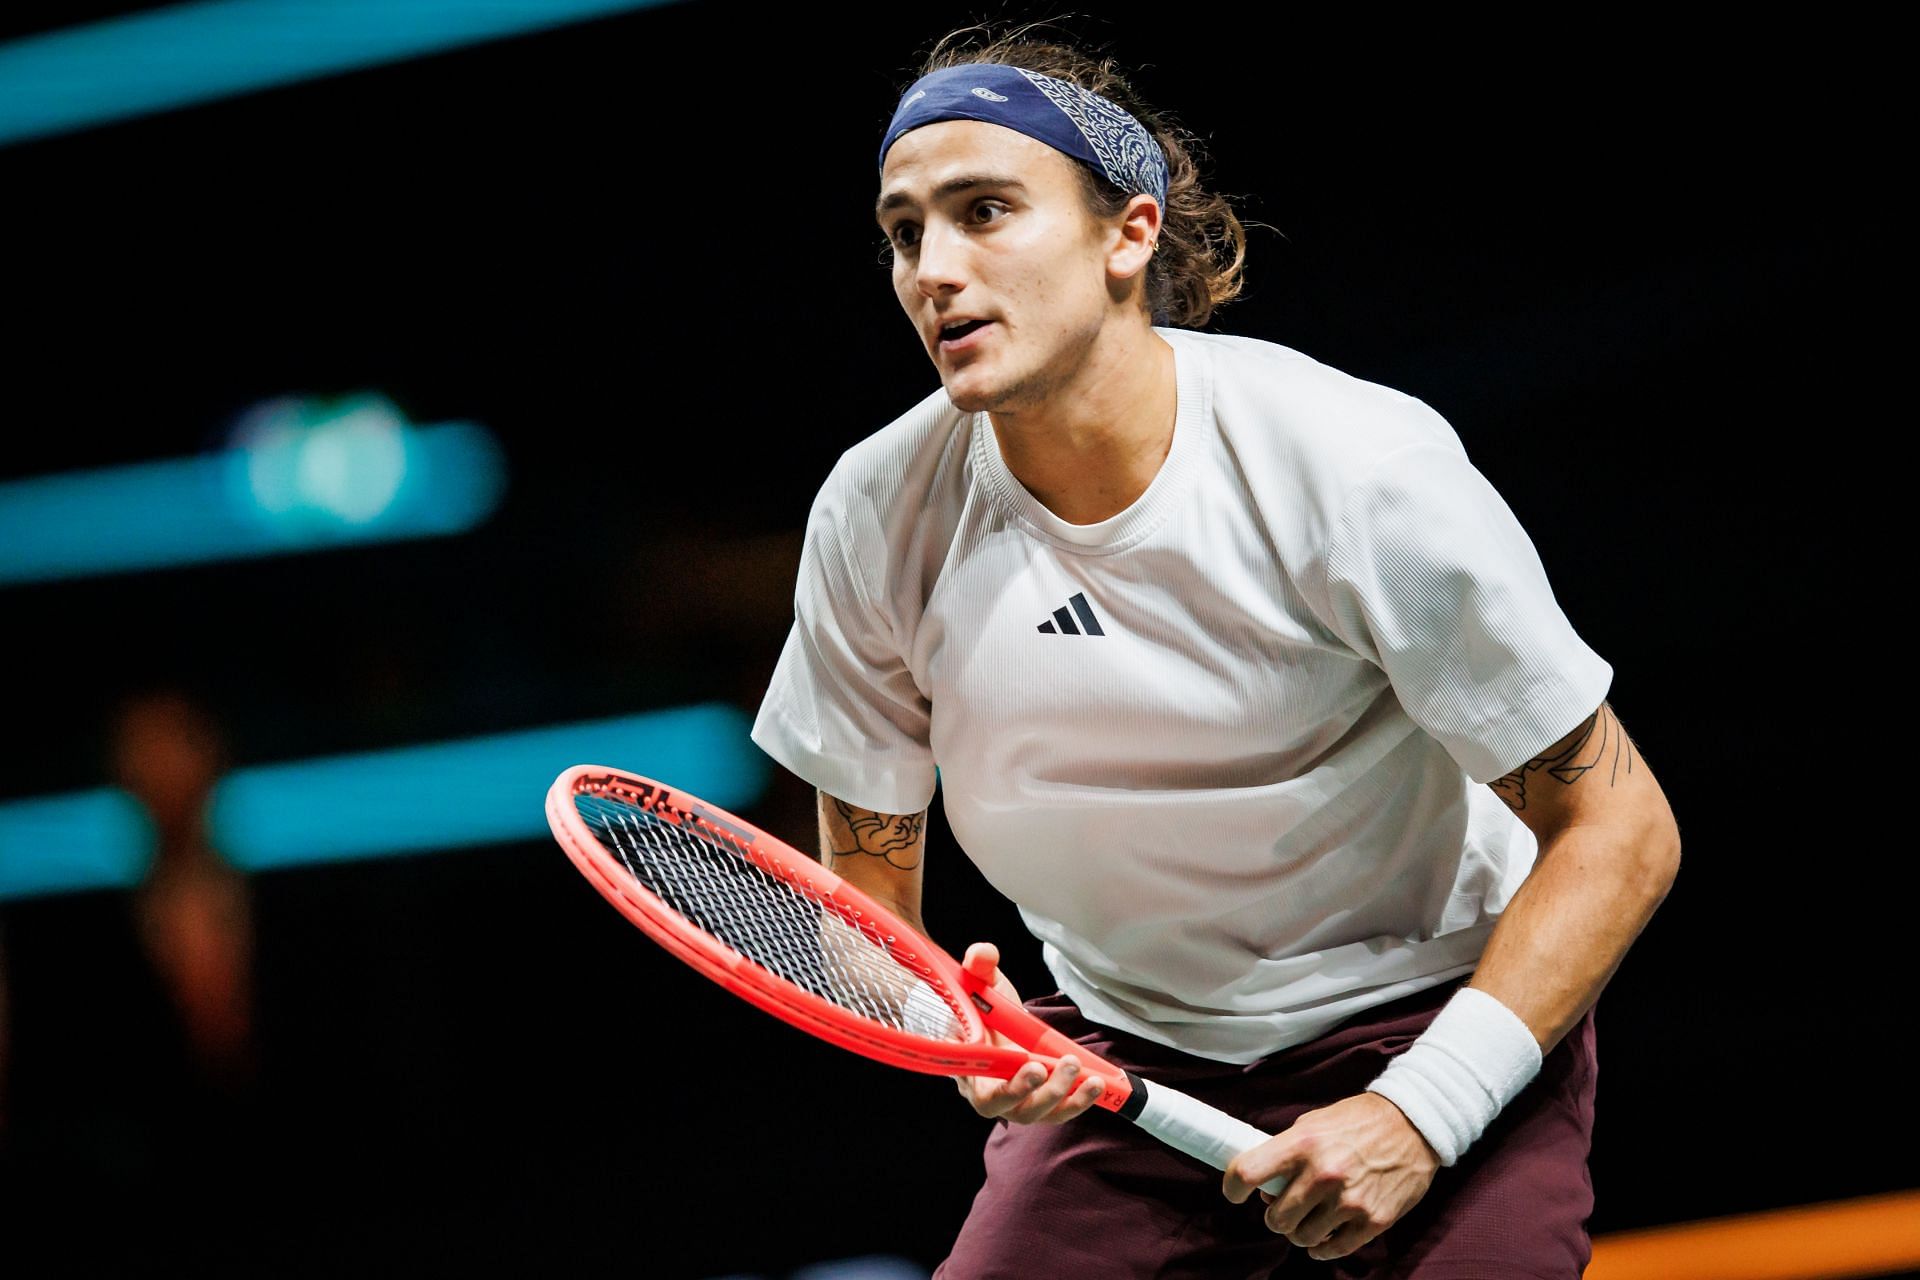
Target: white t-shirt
[1225,749]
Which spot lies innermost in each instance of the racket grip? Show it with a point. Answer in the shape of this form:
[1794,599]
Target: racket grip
[1187,1124]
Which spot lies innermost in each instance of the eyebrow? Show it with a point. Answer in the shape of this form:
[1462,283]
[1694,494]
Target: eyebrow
[952,186]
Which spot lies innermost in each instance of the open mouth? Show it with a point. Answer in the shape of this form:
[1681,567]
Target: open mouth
[955,332]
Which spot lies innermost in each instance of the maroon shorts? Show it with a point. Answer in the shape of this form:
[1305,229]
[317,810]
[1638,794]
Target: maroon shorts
[1097,1199]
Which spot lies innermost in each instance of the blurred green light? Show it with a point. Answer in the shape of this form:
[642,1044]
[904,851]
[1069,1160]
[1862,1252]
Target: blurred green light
[346,465]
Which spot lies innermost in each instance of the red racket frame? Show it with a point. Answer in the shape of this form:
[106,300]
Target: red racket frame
[977,1008]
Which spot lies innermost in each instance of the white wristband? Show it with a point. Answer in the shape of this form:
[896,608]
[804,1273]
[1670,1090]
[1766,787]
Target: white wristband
[1454,1079]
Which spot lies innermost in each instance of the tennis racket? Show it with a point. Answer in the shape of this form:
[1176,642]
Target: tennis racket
[773,926]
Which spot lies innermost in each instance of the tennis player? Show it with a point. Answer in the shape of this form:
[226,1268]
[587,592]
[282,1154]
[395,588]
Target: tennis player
[1250,691]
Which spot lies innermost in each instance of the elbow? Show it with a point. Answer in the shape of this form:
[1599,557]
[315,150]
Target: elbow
[1659,856]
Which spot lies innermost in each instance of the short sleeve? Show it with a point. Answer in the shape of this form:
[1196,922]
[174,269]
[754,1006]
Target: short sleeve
[1430,577]
[843,711]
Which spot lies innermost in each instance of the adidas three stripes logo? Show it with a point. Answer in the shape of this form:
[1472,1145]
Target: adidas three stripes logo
[1088,623]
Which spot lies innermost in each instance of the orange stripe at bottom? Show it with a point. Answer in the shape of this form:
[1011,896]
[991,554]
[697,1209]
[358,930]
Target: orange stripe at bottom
[1847,1238]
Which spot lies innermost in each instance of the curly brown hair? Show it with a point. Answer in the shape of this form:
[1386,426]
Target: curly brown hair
[1202,251]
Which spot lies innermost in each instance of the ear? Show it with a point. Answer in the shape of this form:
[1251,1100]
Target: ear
[1136,236]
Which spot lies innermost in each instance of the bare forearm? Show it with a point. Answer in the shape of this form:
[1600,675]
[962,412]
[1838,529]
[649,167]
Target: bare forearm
[1609,850]
[1591,892]
[878,853]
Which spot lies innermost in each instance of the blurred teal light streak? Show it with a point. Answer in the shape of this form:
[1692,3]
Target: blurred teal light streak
[439,796]
[190,53]
[363,478]
[82,840]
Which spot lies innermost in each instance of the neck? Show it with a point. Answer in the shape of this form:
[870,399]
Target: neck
[1092,447]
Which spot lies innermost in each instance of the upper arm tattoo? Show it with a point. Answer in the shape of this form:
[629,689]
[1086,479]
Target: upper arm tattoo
[1599,746]
[892,837]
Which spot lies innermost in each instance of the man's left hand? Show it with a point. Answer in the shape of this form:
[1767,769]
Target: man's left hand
[1352,1170]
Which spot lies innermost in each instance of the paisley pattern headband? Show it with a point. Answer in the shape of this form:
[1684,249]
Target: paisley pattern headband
[1064,116]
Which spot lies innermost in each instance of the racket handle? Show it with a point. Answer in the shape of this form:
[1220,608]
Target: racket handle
[1184,1123]
[1187,1124]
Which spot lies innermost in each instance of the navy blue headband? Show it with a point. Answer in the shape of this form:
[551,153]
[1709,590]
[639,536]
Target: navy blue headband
[1064,116]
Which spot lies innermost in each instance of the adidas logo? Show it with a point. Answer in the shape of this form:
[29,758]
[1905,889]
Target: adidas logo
[1088,623]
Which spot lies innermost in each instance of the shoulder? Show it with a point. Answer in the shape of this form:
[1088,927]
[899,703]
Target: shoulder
[1266,395]
[1301,434]
[889,471]
[903,450]
[896,493]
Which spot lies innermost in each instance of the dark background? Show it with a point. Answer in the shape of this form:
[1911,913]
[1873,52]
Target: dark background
[1629,266]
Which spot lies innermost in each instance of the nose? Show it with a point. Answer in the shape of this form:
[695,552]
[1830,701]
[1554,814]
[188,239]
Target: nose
[941,261]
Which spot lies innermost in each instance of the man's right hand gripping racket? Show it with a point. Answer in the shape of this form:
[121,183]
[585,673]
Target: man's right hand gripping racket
[772,925]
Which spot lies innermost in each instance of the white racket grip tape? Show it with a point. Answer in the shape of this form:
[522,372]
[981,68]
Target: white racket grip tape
[1209,1135]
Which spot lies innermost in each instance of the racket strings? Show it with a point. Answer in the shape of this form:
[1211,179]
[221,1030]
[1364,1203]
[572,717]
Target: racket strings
[785,927]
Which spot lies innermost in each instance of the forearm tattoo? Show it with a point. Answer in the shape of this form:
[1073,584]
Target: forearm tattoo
[1599,746]
[892,837]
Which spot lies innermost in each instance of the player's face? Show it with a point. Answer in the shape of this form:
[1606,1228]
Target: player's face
[990,231]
